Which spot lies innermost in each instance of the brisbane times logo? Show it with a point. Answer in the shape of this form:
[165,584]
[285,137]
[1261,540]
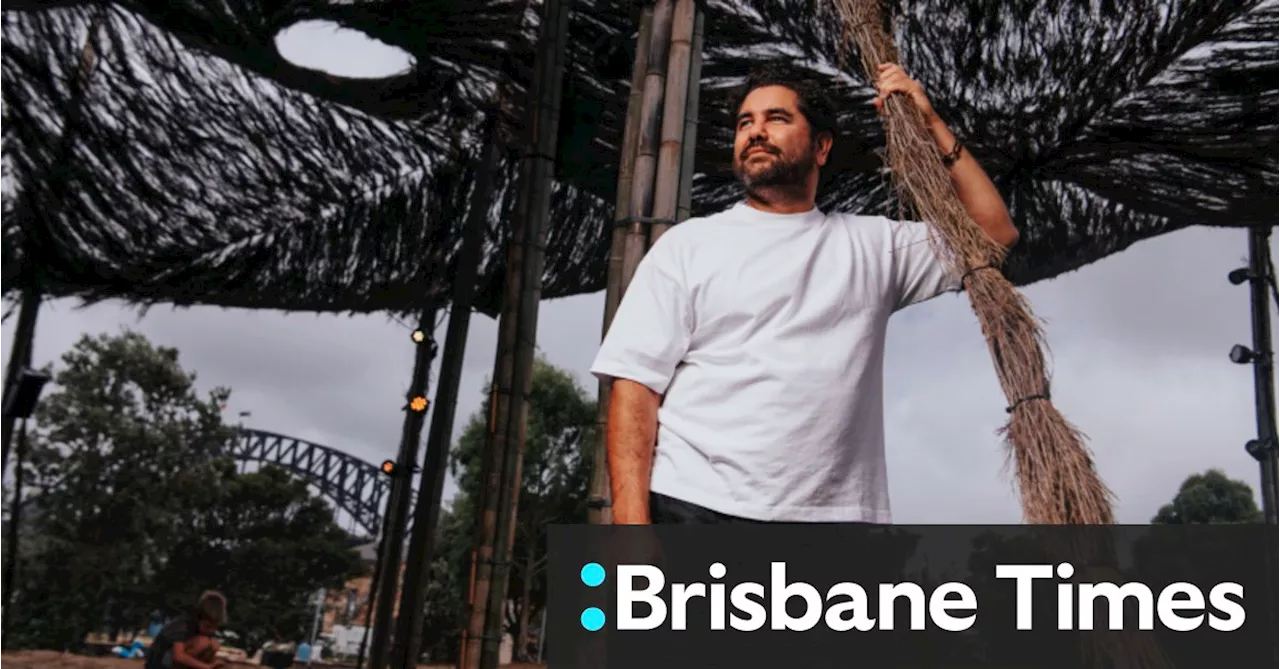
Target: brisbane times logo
[643,600]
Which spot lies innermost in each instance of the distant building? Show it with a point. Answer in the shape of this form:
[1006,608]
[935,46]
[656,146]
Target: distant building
[348,612]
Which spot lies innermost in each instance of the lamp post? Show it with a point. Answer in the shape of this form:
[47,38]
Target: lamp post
[19,405]
[1260,275]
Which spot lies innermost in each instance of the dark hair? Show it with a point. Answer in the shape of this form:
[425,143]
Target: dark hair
[815,104]
[212,607]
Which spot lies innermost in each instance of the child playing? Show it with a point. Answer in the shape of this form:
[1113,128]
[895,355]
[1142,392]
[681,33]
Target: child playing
[188,643]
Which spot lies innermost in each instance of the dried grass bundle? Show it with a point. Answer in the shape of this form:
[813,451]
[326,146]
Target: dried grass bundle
[1054,469]
[1055,473]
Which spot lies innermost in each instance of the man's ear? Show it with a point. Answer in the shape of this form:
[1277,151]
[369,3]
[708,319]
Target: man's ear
[822,147]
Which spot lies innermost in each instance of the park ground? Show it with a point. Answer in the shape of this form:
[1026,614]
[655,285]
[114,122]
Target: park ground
[43,659]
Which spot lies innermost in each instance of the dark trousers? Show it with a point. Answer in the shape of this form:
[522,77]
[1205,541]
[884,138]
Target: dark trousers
[664,510]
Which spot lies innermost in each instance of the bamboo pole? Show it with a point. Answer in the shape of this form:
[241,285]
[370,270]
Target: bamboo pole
[20,357]
[12,535]
[684,201]
[539,174]
[401,489]
[670,152]
[426,515]
[487,516]
[492,465]
[599,511]
[646,160]
[517,336]
[379,556]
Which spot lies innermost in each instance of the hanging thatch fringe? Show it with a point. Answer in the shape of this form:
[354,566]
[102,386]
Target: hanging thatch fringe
[1054,468]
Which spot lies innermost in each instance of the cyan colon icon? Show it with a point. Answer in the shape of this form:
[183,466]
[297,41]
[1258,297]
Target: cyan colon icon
[592,576]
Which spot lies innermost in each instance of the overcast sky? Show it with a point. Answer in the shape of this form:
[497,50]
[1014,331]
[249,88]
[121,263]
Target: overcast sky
[1139,344]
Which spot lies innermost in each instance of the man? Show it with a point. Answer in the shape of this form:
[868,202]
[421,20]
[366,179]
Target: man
[746,355]
[188,640]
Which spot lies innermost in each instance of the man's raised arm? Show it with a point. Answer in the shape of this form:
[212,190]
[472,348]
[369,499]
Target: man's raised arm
[973,187]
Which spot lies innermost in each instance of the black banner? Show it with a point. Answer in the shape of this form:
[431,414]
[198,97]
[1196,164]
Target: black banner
[799,596]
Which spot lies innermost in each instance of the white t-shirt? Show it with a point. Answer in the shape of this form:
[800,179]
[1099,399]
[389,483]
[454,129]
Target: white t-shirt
[765,333]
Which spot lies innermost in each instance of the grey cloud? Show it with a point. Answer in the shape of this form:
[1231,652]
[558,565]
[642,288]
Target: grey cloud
[1138,340]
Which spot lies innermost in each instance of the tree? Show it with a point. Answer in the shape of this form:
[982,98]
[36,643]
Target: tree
[554,479]
[116,452]
[132,510]
[1210,497]
[447,585]
[268,545]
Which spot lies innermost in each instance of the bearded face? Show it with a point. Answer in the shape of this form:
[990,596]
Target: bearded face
[774,147]
[763,166]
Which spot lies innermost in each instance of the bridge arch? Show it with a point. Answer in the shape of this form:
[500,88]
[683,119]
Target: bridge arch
[354,485]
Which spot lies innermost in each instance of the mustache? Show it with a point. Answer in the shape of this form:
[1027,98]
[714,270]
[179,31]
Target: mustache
[757,145]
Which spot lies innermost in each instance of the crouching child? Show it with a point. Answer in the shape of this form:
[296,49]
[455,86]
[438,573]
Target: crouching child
[188,642]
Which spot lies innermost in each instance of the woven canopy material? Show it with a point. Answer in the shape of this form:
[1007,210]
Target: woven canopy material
[196,165]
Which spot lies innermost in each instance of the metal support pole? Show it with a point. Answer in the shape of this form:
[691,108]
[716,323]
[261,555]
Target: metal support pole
[315,623]
[1263,449]
[380,556]
[398,499]
[19,359]
[426,515]
[15,516]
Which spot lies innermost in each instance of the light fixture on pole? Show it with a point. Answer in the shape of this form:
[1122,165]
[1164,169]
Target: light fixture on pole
[22,402]
[1260,275]
[19,405]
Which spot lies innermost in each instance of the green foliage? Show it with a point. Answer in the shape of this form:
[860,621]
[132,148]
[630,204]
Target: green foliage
[130,511]
[268,545]
[1210,497]
[556,474]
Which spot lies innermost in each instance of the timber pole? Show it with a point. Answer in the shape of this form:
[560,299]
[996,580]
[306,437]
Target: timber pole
[12,538]
[518,326]
[371,602]
[599,509]
[401,484]
[671,139]
[20,357]
[655,173]
[426,515]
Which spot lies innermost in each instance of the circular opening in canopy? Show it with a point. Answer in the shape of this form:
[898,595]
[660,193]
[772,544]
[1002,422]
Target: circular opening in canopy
[328,47]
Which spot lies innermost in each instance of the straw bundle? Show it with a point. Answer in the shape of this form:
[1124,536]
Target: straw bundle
[1054,468]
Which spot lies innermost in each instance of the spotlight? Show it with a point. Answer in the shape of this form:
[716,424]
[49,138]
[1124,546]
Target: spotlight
[21,403]
[418,404]
[1242,355]
[1239,276]
[1260,449]
[418,336]
[389,467]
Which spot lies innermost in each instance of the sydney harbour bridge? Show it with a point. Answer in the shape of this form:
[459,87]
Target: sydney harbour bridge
[357,489]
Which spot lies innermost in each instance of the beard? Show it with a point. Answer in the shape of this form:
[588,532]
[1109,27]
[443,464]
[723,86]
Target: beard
[780,174]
